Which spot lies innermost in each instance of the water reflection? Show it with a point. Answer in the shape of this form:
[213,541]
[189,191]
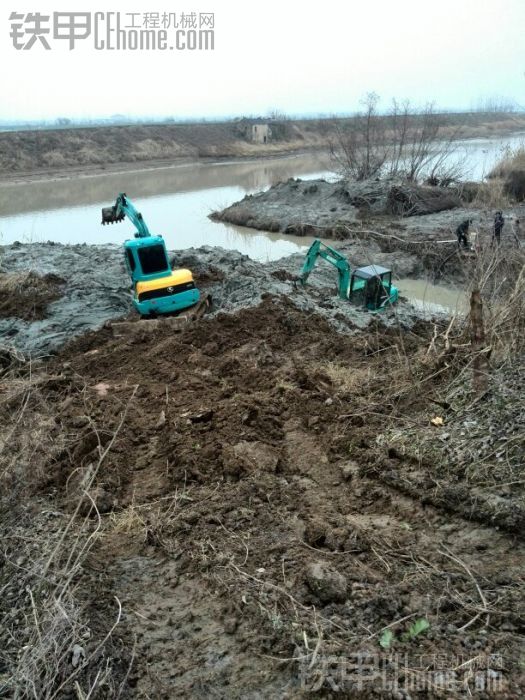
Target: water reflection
[431,298]
[175,201]
[247,176]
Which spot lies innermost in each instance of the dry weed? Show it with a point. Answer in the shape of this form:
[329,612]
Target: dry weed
[48,648]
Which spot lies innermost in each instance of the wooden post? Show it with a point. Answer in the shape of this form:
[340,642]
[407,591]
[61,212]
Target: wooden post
[477,341]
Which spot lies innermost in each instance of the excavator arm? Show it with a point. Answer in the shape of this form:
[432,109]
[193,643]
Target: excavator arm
[319,250]
[118,212]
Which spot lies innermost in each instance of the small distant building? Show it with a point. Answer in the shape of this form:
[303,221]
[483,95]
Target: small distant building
[261,133]
[254,130]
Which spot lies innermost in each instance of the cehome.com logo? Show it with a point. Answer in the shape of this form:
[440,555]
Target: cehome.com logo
[114,31]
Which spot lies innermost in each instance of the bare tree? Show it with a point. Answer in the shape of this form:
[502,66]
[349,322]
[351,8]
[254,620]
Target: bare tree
[449,162]
[496,104]
[423,145]
[414,134]
[403,143]
[400,125]
[359,149]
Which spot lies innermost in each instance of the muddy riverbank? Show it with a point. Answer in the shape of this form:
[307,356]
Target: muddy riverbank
[225,507]
[96,288]
[316,206]
[176,202]
[177,199]
[419,221]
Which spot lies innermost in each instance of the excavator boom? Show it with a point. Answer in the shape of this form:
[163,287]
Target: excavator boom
[318,249]
[118,212]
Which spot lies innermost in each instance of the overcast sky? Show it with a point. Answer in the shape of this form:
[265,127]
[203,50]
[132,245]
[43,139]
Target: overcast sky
[272,54]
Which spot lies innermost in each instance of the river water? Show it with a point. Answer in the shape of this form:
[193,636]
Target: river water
[176,202]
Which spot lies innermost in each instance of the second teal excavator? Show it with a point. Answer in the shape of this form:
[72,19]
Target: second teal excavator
[371,285]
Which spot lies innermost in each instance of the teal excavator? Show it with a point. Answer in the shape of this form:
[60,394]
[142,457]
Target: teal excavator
[370,286]
[157,288]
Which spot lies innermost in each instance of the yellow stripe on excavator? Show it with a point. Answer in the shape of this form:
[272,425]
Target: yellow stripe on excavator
[177,277]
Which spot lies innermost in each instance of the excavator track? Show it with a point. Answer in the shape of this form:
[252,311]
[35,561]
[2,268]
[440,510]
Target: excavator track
[122,329]
[197,311]
[192,313]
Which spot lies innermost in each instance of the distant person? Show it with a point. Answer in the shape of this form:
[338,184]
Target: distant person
[499,223]
[462,234]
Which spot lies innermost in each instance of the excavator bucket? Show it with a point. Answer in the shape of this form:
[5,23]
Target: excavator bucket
[109,216]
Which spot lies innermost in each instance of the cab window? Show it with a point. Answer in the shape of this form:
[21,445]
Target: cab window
[153,259]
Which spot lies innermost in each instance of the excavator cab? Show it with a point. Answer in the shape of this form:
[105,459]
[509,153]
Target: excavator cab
[146,258]
[158,288]
[372,286]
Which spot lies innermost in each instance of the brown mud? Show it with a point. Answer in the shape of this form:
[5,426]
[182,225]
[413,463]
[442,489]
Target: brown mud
[250,520]
[306,208]
[27,295]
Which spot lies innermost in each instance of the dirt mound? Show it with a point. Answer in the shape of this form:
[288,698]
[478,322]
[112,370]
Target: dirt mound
[386,216]
[240,527]
[297,207]
[28,295]
[398,197]
[88,285]
[329,209]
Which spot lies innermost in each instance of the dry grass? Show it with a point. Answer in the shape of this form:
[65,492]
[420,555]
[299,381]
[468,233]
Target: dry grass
[27,425]
[510,174]
[501,281]
[472,371]
[130,521]
[99,146]
[513,160]
[27,294]
[151,521]
[348,379]
[49,648]
[491,194]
